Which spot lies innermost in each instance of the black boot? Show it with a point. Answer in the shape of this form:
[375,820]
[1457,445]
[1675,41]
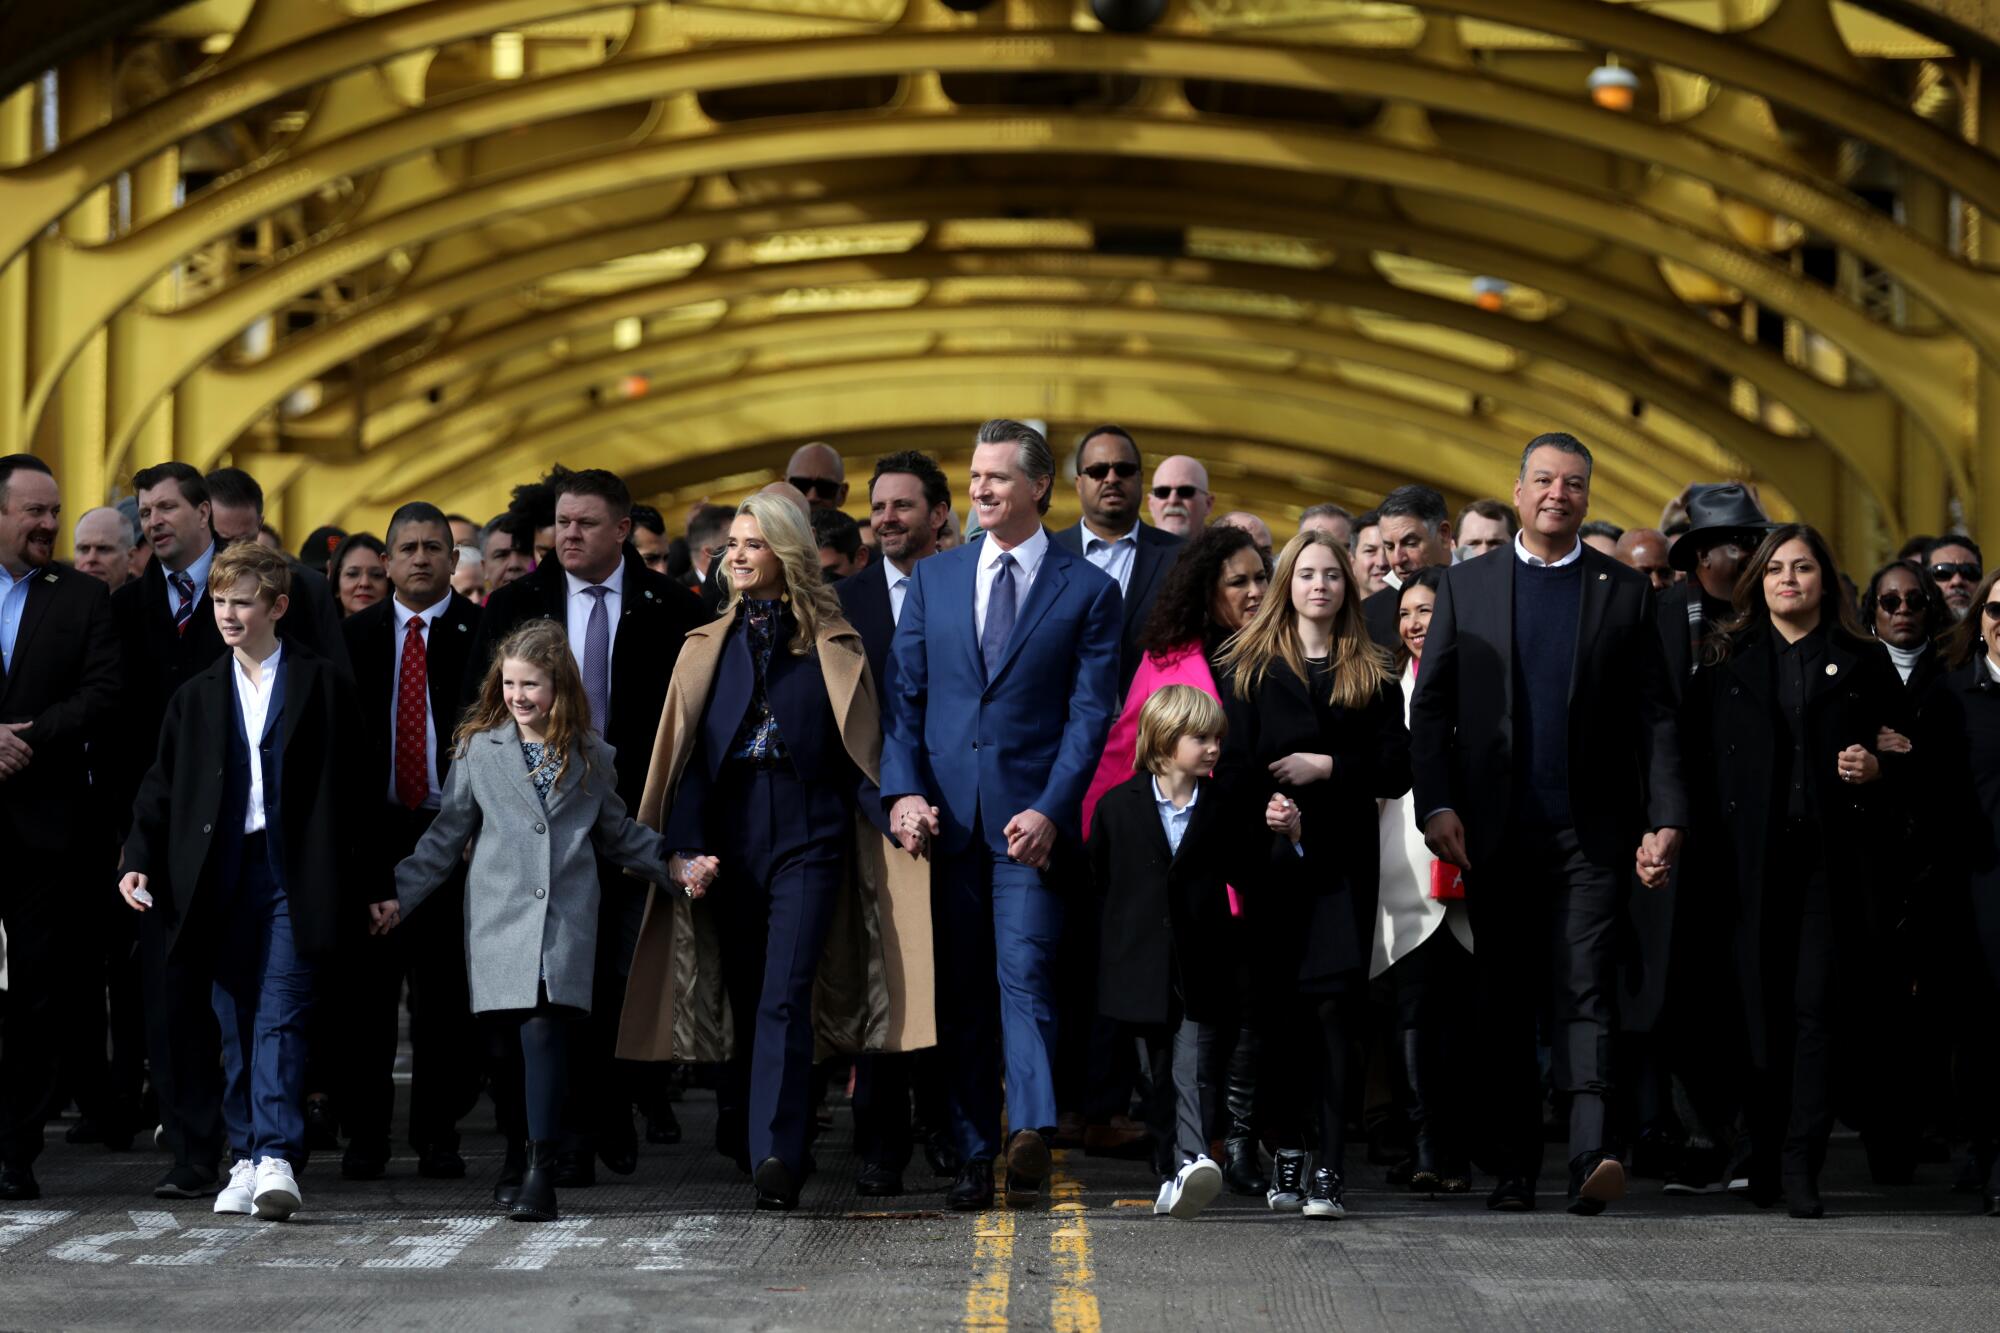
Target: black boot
[1799,1173]
[535,1201]
[511,1171]
[1242,1172]
[1426,1172]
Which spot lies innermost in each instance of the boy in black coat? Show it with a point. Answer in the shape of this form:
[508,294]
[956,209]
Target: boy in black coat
[243,837]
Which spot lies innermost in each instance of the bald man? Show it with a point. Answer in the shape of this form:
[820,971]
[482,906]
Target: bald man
[104,541]
[1179,497]
[1250,523]
[817,472]
[1645,549]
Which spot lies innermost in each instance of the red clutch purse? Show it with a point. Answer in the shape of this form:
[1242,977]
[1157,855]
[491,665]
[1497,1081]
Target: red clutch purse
[1447,881]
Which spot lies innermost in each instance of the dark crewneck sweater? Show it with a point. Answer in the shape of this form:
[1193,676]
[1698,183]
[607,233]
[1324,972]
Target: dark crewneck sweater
[1548,604]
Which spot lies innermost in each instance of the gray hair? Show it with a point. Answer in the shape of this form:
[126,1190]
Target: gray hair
[1562,442]
[1036,459]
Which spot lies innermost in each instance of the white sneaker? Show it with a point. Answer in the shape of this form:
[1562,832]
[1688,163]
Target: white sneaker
[1195,1188]
[1164,1204]
[277,1195]
[239,1195]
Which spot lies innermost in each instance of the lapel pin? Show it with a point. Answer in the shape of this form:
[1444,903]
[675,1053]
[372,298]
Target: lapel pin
[49,577]
[649,594]
[461,627]
[1832,670]
[1602,577]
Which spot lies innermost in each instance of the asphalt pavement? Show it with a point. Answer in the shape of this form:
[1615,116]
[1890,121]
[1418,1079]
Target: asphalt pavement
[679,1244]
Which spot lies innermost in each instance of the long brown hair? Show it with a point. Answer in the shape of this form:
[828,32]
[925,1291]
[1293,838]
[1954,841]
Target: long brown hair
[790,538]
[1753,613]
[543,645]
[1965,640]
[1360,669]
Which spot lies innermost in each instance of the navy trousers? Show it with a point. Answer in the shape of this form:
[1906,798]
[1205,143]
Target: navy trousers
[998,925]
[783,860]
[263,995]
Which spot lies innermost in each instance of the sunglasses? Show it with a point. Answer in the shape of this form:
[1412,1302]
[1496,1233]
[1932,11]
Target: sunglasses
[1176,492]
[820,486]
[1892,602]
[1099,471]
[1993,610]
[1945,572]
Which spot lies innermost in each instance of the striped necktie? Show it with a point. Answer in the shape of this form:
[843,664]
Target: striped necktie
[184,585]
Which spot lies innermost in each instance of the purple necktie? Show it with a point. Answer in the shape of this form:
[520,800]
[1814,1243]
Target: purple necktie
[999,615]
[597,658]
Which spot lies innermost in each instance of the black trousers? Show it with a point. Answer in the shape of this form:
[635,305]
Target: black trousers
[427,952]
[602,1088]
[183,1039]
[38,907]
[1792,1106]
[105,1030]
[1545,918]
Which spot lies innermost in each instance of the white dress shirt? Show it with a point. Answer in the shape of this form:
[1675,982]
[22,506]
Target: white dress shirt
[1114,555]
[434,797]
[1174,819]
[899,588]
[1027,561]
[1528,557]
[579,610]
[254,699]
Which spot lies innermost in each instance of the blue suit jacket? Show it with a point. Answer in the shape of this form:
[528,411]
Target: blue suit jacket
[1028,739]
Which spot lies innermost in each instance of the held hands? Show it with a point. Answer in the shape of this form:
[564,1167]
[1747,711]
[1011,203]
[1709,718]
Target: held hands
[914,821]
[132,888]
[1658,851]
[384,917]
[1857,765]
[1281,815]
[15,754]
[1445,836]
[695,875]
[1030,839]
[1890,741]
[1296,770]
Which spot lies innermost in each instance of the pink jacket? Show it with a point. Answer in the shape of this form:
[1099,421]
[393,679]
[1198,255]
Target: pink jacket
[1185,665]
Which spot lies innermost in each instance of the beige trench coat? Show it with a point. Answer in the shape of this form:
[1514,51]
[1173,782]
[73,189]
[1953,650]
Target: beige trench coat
[875,990]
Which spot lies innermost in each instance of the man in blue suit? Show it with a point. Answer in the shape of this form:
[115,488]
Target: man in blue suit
[1002,682]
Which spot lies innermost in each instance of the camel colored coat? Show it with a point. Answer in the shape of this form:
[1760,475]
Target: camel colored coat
[875,986]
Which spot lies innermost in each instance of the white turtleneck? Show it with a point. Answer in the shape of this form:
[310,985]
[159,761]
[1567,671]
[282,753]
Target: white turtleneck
[1906,658]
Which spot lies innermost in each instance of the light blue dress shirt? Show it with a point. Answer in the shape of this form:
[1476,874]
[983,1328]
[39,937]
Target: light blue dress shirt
[1174,820]
[198,571]
[13,603]
[1115,557]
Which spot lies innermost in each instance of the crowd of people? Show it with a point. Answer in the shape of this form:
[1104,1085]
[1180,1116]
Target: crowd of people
[1150,839]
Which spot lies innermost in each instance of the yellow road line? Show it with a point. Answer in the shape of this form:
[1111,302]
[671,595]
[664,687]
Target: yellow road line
[1073,1309]
[993,1260]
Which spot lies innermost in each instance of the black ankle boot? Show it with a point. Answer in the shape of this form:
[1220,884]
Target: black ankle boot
[535,1201]
[1241,1170]
[511,1171]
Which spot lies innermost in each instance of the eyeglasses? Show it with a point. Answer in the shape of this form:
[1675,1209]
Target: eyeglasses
[1946,572]
[1892,602]
[1176,492]
[820,486]
[1099,471]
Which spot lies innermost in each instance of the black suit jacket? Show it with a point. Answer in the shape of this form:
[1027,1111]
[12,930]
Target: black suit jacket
[864,600]
[64,679]
[1380,609]
[656,616]
[1624,750]
[178,832]
[371,652]
[155,661]
[1155,555]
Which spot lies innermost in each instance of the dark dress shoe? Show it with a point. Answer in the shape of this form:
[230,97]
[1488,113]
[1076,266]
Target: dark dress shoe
[516,1166]
[1595,1179]
[535,1200]
[618,1145]
[1512,1195]
[874,1181]
[973,1190]
[1993,1204]
[574,1170]
[186,1182]
[18,1184]
[1242,1172]
[663,1126]
[941,1157]
[364,1161]
[322,1125]
[1802,1198]
[440,1164]
[1028,1158]
[776,1190]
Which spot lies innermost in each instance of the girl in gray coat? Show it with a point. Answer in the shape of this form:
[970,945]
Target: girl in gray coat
[532,790]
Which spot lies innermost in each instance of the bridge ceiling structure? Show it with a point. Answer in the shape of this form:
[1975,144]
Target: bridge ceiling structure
[378,249]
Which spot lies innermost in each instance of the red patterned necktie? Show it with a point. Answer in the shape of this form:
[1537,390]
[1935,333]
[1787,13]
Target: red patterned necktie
[412,726]
[184,586]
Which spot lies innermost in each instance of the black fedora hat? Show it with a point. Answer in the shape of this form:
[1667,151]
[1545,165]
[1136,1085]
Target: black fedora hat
[1725,509]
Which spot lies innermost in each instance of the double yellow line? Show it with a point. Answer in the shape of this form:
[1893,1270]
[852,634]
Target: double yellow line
[1072,1305]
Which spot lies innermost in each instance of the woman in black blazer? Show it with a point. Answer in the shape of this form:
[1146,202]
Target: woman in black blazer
[1782,727]
[1958,746]
[1314,710]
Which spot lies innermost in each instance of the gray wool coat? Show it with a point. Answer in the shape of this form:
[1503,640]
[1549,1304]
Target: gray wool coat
[532,893]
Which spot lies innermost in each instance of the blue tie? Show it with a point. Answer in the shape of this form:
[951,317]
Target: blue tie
[999,615]
[597,658]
